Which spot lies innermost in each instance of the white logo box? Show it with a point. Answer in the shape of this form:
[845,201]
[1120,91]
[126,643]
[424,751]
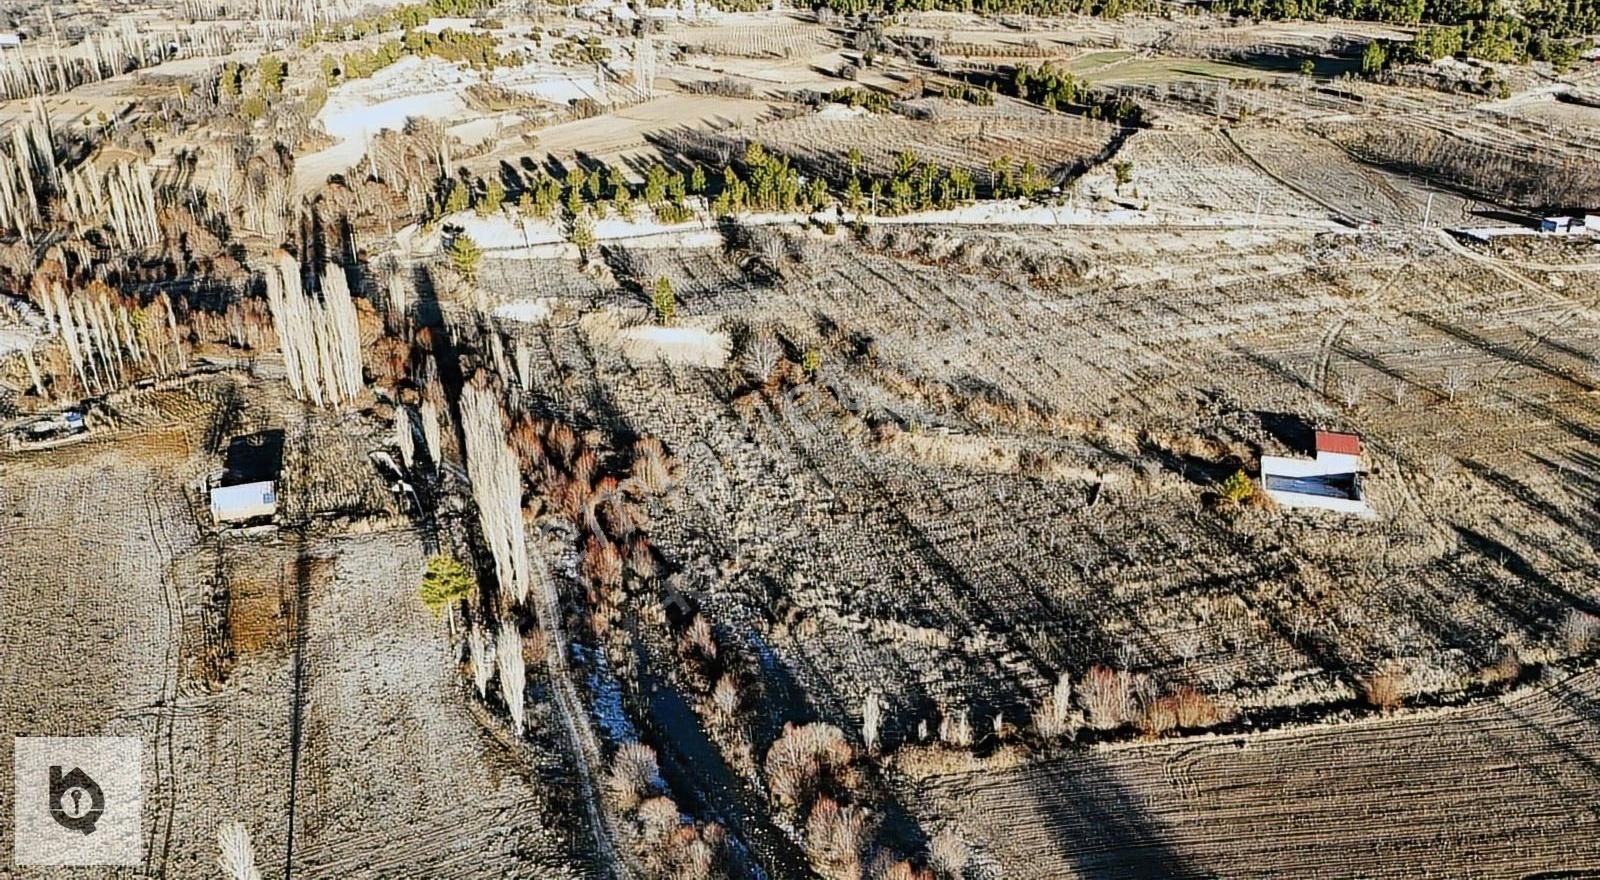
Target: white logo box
[78,801]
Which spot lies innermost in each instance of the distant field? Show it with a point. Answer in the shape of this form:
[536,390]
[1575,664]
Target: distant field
[1161,70]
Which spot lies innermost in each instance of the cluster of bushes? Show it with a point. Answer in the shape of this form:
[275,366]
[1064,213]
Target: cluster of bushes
[586,53]
[478,51]
[596,191]
[1010,181]
[412,15]
[769,183]
[1057,89]
[915,185]
[969,93]
[361,63]
[877,102]
[727,87]
[270,73]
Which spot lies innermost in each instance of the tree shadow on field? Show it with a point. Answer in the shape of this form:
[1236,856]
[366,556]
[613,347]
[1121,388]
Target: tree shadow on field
[1088,823]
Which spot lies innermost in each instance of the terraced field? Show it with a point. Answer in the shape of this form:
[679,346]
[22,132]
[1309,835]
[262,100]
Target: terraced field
[1397,798]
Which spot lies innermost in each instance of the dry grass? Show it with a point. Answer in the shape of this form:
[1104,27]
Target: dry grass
[800,757]
[835,838]
[633,774]
[1385,689]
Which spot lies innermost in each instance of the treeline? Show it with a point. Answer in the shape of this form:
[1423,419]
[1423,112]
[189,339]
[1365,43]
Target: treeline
[407,17]
[1540,30]
[915,185]
[477,51]
[597,190]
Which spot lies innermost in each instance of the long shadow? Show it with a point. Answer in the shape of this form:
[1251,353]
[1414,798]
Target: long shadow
[1502,351]
[1097,827]
[1542,611]
[299,634]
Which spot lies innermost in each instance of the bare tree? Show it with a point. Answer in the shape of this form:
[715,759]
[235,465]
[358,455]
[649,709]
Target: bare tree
[761,356]
[948,855]
[236,854]
[871,717]
[513,674]
[955,729]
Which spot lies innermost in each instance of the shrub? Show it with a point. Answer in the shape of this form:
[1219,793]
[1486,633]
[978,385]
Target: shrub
[652,467]
[494,195]
[801,755]
[1578,630]
[658,817]
[1238,488]
[726,695]
[1053,717]
[1123,170]
[1384,689]
[664,301]
[271,72]
[834,838]
[1107,696]
[465,255]
[700,638]
[633,774]
[956,730]
[948,855]
[444,582]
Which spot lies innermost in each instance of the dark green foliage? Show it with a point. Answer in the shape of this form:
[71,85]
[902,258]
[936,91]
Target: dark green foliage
[664,301]
[1056,89]
[1538,30]
[970,93]
[877,102]
[475,50]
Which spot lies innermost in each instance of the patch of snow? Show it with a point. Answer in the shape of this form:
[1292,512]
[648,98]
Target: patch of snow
[608,709]
[356,111]
[439,25]
[841,112]
[532,311]
[686,346]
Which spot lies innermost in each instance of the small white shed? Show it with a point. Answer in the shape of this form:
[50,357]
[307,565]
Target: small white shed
[244,501]
[1331,481]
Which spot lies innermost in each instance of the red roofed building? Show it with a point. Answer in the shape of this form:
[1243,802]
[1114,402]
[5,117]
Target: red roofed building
[1338,443]
[1331,481]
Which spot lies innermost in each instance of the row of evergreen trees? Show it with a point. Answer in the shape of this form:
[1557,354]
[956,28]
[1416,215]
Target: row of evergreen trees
[759,181]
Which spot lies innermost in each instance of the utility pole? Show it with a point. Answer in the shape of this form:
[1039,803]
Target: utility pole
[1427,212]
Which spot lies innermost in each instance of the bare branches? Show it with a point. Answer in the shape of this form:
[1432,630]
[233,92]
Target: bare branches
[237,855]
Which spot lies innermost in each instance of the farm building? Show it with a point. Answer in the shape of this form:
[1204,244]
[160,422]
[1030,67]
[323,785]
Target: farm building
[10,40]
[244,501]
[1330,481]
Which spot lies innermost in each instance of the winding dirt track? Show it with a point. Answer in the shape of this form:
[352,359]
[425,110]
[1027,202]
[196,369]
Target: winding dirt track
[1513,786]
